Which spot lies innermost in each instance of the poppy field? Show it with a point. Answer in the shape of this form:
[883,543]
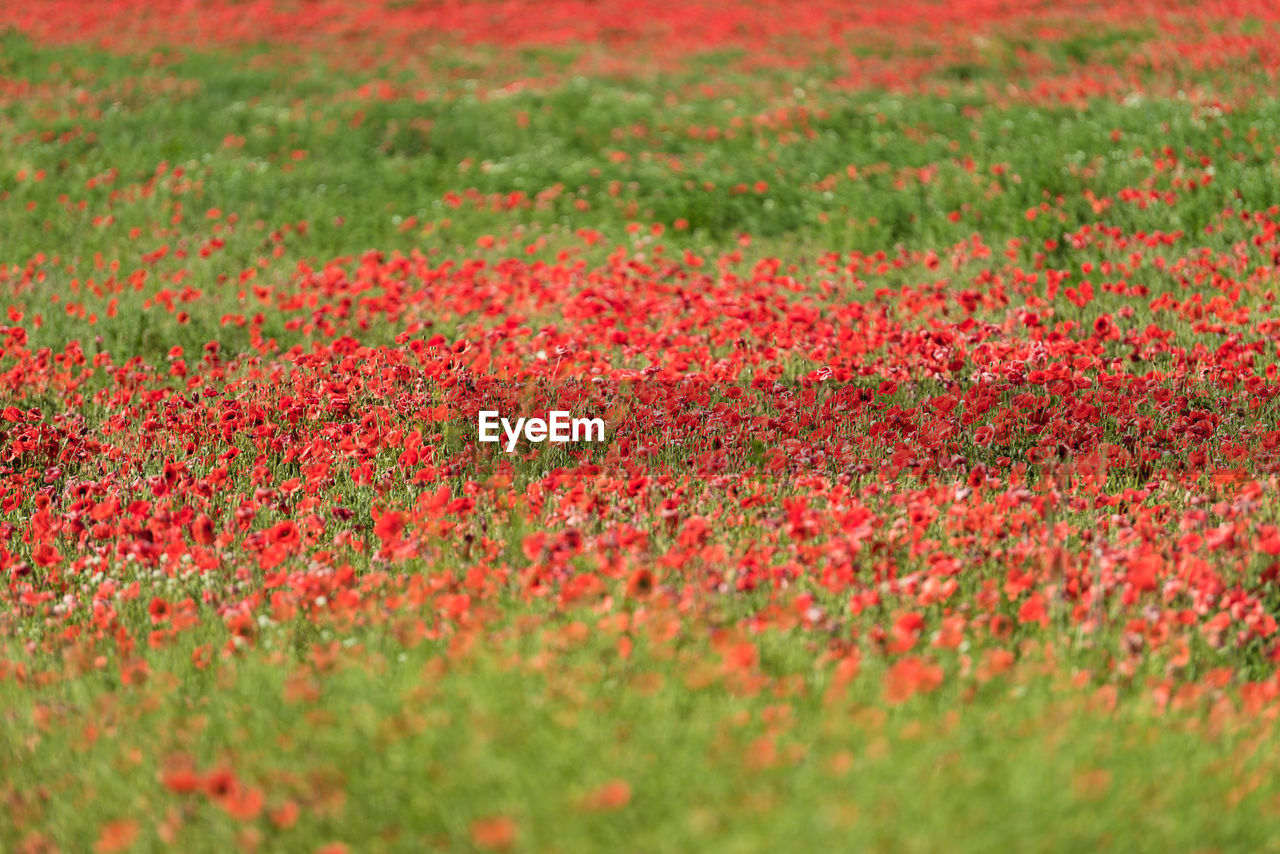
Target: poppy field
[934,343]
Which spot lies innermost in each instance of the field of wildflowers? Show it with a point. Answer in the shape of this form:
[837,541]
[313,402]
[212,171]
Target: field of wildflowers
[937,508]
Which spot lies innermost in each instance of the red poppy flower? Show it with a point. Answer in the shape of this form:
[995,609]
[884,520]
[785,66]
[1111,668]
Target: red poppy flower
[640,584]
[495,833]
[202,530]
[389,525]
[613,795]
[285,533]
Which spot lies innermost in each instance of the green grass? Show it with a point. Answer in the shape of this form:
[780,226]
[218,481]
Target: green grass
[420,749]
